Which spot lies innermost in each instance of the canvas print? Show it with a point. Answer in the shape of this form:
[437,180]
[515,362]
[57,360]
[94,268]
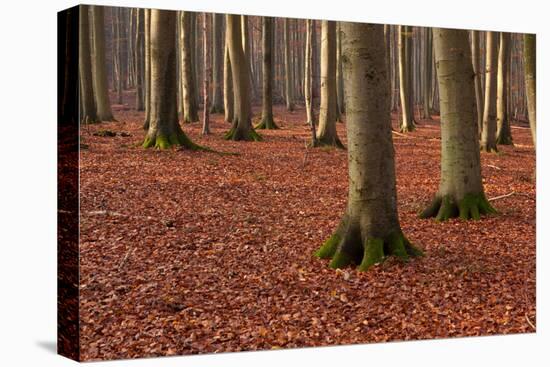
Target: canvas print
[239,182]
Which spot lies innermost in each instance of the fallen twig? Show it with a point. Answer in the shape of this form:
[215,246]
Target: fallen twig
[529,322]
[502,196]
[495,167]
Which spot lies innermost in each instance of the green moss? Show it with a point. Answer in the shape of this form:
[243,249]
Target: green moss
[396,246]
[340,260]
[237,135]
[266,124]
[471,206]
[373,253]
[329,247]
[432,209]
[328,142]
[448,209]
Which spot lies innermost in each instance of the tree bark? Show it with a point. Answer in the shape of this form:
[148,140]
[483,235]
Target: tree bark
[139,59]
[427,74]
[530,70]
[267,75]
[207,71]
[326,131]
[369,230]
[488,133]
[289,98]
[119,57]
[477,80]
[241,128]
[147,41]
[88,112]
[340,109]
[217,54]
[460,190]
[190,113]
[308,78]
[227,84]
[404,80]
[504,132]
[164,130]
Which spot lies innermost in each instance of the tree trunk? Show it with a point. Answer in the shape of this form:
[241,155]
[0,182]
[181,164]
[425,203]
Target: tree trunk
[164,130]
[139,56]
[207,71]
[488,133]
[147,41]
[504,133]
[88,112]
[460,190]
[326,131]
[308,82]
[99,74]
[404,80]
[217,54]
[339,77]
[190,113]
[369,230]
[289,98]
[227,84]
[241,128]
[427,74]
[477,80]
[119,57]
[267,75]
[530,70]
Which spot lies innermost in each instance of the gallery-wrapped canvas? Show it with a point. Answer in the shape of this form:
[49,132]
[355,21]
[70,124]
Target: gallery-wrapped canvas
[234,183]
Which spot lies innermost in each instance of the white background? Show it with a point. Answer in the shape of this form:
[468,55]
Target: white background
[28,183]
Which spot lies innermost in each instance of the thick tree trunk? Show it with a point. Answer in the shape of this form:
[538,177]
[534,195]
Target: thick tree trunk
[99,73]
[190,113]
[139,58]
[504,132]
[407,123]
[369,230]
[289,97]
[326,131]
[488,133]
[164,130]
[147,41]
[267,75]
[227,84]
[530,70]
[217,64]
[477,80]
[460,190]
[88,112]
[207,71]
[241,128]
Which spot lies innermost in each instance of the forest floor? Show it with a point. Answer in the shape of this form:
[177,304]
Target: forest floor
[194,252]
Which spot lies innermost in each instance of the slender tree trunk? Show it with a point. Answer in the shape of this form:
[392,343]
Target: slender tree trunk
[190,113]
[477,80]
[427,74]
[460,189]
[88,109]
[207,75]
[404,80]
[217,54]
[504,132]
[326,131]
[308,79]
[241,128]
[488,133]
[289,98]
[530,70]
[340,109]
[267,75]
[369,230]
[139,56]
[147,41]
[227,85]
[119,58]
[99,73]
[164,130]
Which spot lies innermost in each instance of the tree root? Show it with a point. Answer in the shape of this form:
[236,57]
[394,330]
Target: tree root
[176,139]
[328,142]
[238,135]
[488,149]
[504,139]
[267,124]
[346,247]
[472,206]
[407,128]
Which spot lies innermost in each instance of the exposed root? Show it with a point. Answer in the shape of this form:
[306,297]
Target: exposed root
[471,206]
[407,128]
[346,246]
[328,142]
[488,148]
[166,141]
[238,135]
[267,124]
[504,139]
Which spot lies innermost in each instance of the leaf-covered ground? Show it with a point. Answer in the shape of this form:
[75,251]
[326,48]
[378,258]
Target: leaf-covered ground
[195,252]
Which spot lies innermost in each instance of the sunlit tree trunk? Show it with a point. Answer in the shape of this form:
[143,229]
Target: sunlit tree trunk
[427,74]
[267,75]
[308,79]
[147,41]
[339,77]
[190,113]
[139,51]
[504,132]
[529,64]
[488,133]
[460,191]
[326,131]
[119,57]
[289,97]
[404,79]
[207,71]
[477,80]
[241,128]
[164,130]
[227,84]
[369,230]
[217,63]
[88,112]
